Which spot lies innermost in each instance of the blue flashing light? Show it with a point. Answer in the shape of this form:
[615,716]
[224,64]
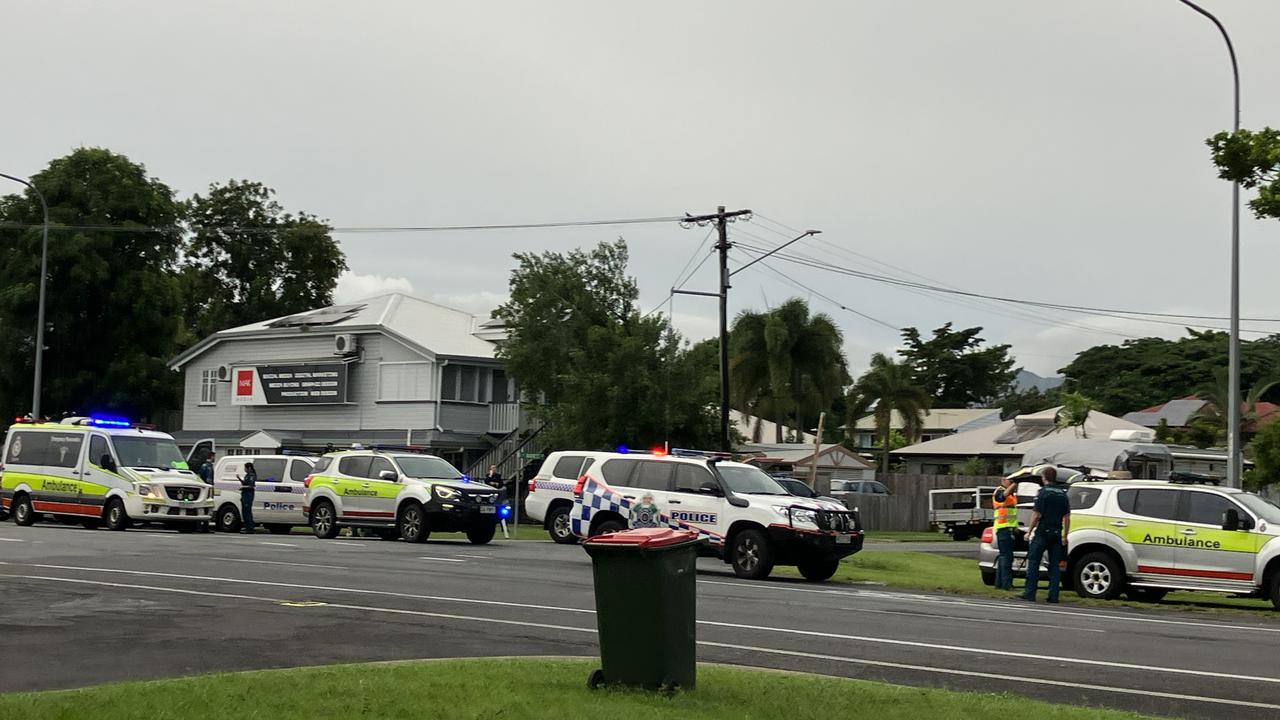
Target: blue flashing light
[110,422]
[504,512]
[623,449]
[466,478]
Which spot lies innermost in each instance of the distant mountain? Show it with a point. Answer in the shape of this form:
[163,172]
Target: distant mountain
[1027,380]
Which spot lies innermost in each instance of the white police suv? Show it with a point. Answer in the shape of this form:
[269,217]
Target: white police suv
[747,518]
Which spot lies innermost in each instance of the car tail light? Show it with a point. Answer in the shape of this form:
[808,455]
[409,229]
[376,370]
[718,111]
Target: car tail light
[577,487]
[987,535]
[533,485]
[306,482]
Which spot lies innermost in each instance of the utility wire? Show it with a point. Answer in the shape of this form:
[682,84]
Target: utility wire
[805,288]
[682,277]
[345,229]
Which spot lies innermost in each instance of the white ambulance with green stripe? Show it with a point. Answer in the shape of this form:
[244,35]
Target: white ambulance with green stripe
[100,472]
[398,494]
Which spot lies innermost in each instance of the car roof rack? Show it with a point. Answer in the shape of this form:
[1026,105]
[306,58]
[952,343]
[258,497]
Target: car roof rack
[709,454]
[1186,478]
[397,448]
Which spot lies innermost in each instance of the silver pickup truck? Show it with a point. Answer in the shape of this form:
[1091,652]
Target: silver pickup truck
[962,513]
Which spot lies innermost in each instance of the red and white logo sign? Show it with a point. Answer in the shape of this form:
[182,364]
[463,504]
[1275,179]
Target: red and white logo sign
[244,383]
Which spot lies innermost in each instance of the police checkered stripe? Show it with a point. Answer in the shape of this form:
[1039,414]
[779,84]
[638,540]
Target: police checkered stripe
[556,486]
[598,498]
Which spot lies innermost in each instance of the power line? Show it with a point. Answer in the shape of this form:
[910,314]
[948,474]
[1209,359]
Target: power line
[681,278]
[805,288]
[353,229]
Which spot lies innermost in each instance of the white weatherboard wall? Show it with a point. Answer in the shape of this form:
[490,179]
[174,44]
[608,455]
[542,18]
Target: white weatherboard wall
[364,412]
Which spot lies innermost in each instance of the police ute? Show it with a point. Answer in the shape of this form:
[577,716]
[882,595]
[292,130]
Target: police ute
[100,471]
[745,517]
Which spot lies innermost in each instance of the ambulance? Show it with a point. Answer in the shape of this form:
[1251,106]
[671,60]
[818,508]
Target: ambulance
[100,472]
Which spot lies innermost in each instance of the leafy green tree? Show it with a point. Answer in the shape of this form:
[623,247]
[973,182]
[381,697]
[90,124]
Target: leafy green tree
[247,259]
[1251,158]
[113,301]
[955,370]
[607,376]
[885,387]
[1264,450]
[1075,412]
[1217,397]
[785,364]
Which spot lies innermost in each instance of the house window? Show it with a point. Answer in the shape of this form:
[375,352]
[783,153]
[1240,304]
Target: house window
[470,386]
[465,383]
[501,389]
[209,387]
[449,382]
[404,381]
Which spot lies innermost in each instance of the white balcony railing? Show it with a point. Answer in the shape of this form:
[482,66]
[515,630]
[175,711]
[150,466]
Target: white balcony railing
[503,417]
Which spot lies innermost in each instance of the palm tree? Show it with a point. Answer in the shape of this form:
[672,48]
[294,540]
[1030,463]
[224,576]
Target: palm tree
[786,363]
[888,386]
[1074,412]
[1216,400]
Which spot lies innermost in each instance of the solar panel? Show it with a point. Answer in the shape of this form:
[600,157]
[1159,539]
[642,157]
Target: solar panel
[323,316]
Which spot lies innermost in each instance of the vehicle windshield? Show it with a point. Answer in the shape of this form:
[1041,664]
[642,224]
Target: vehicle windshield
[795,487]
[148,452]
[751,481]
[427,468]
[1260,506]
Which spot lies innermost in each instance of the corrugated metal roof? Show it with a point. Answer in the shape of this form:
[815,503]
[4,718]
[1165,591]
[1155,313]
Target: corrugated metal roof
[1177,413]
[984,441]
[940,419]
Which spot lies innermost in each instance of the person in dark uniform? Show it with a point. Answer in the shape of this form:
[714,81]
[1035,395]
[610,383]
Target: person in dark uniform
[1050,524]
[247,484]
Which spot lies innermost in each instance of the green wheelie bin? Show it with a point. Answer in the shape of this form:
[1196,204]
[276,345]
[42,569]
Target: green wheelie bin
[646,606]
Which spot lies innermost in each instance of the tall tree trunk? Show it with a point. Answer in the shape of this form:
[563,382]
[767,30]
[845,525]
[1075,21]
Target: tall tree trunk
[884,460]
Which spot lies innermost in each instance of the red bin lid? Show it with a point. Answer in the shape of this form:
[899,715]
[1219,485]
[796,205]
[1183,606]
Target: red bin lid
[647,538]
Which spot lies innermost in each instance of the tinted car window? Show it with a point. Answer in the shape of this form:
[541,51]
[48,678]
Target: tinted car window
[323,464]
[269,470]
[689,478]
[618,472]
[1158,504]
[27,448]
[356,466]
[1207,508]
[378,466]
[654,475]
[877,488]
[97,448]
[568,467]
[299,470]
[1083,498]
[64,450]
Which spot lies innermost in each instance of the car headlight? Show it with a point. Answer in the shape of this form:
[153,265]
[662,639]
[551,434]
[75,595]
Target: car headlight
[150,491]
[447,493]
[798,516]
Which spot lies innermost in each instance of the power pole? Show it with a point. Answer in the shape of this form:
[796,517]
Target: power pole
[722,220]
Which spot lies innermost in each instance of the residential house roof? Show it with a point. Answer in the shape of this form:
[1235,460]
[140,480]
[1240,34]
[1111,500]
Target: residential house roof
[1012,437]
[768,430]
[940,419]
[1176,413]
[830,455]
[429,328]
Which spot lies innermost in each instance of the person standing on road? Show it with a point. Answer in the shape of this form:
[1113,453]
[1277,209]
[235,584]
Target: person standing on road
[1005,501]
[1050,524]
[247,485]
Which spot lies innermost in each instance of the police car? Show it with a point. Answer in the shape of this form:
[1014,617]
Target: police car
[100,471]
[550,495]
[398,493]
[278,496]
[745,517]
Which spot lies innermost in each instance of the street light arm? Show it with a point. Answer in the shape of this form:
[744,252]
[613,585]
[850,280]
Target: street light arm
[1231,50]
[44,274]
[783,246]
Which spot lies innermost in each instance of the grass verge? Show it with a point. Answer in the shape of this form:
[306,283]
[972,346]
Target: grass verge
[942,573]
[907,536]
[517,689]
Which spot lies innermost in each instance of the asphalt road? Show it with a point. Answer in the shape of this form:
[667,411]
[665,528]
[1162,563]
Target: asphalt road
[81,607]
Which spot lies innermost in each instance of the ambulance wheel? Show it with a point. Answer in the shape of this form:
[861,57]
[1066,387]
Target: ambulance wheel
[752,555]
[228,519]
[481,534]
[818,569]
[117,518]
[324,520]
[609,526]
[23,513]
[1275,589]
[277,529]
[562,527]
[1097,575]
[412,523]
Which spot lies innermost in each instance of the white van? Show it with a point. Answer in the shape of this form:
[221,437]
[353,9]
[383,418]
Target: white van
[100,472]
[278,497]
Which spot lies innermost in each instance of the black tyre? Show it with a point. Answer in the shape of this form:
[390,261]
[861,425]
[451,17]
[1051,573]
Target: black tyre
[324,520]
[1275,589]
[1098,575]
[412,523]
[959,534]
[988,577]
[481,534]
[227,519]
[23,513]
[818,569]
[277,529]
[115,516]
[561,528]
[184,528]
[752,555]
[609,526]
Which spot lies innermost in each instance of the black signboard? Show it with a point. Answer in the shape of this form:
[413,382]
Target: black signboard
[312,384]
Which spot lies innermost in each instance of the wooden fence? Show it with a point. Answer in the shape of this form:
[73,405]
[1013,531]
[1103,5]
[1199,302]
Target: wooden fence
[908,506]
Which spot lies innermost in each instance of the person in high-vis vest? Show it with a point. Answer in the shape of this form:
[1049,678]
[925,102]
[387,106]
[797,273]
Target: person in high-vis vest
[1005,502]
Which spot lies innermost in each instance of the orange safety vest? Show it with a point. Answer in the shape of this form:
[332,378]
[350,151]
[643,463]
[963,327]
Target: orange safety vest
[1006,510]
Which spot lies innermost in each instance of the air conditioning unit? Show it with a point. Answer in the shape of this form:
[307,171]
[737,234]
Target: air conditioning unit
[224,373]
[345,345]
[1134,436]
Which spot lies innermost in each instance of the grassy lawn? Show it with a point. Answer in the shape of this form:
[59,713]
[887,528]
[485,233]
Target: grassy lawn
[525,533]
[909,536]
[923,571]
[516,689]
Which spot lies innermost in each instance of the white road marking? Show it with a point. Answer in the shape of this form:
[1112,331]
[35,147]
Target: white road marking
[986,676]
[479,557]
[346,544]
[277,544]
[745,648]
[440,559]
[1019,606]
[277,562]
[12,540]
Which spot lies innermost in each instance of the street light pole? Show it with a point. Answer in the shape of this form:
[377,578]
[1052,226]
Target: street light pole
[1234,463]
[44,272]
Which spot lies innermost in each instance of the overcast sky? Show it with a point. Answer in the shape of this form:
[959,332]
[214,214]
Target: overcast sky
[1034,149]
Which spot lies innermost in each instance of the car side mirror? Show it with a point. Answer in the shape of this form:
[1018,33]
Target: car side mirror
[1231,520]
[388,475]
[106,463]
[710,488]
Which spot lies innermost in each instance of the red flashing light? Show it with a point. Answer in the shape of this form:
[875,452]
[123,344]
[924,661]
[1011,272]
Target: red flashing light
[659,452]
[987,535]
